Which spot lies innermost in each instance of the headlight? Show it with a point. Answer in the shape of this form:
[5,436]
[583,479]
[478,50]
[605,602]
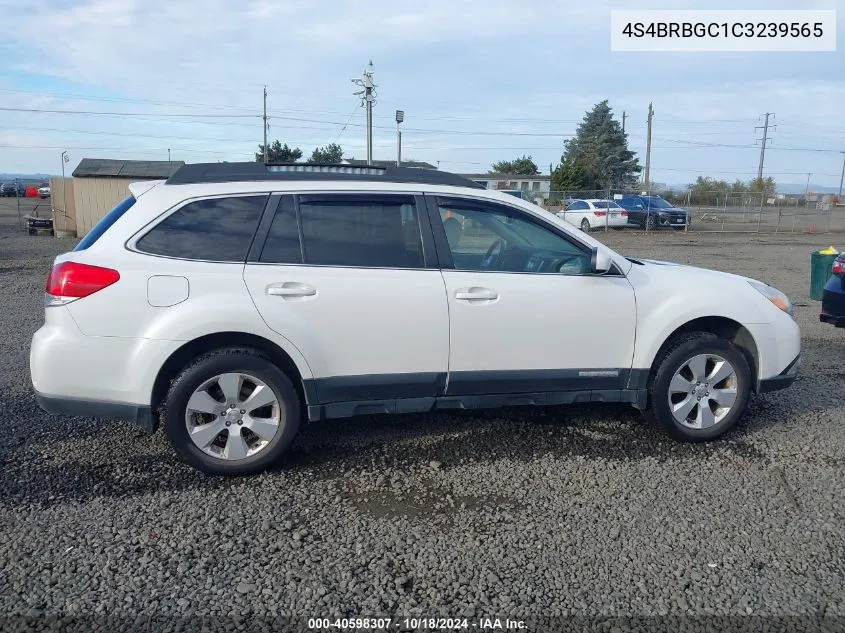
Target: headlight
[774,295]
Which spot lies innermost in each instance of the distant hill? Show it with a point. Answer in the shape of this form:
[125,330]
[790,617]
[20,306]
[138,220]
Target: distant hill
[798,188]
[25,177]
[789,188]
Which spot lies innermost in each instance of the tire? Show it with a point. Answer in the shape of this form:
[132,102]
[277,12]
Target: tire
[649,224]
[673,360]
[585,225]
[252,366]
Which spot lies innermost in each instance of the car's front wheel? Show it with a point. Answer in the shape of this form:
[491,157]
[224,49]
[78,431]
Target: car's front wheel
[700,387]
[231,412]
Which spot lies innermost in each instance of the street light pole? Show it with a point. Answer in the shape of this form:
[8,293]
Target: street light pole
[400,116]
[842,177]
[64,182]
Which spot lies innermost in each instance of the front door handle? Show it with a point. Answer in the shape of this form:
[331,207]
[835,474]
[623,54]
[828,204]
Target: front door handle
[291,289]
[476,294]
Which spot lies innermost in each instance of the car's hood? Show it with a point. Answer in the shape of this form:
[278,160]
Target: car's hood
[686,269]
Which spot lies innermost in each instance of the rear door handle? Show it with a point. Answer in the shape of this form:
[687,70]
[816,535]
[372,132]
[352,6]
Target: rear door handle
[476,294]
[291,289]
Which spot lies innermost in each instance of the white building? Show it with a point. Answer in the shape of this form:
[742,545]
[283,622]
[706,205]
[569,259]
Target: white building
[529,187]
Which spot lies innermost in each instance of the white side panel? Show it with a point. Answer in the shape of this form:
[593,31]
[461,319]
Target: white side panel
[669,296]
[540,322]
[356,321]
[115,369]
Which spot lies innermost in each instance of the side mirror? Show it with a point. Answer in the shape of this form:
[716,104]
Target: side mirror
[600,261]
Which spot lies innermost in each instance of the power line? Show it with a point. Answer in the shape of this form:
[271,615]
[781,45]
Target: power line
[150,114]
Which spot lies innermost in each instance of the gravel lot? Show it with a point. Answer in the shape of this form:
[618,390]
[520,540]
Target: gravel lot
[561,517]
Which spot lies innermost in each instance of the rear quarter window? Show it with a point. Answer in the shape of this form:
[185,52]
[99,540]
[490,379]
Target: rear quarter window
[105,223]
[215,229]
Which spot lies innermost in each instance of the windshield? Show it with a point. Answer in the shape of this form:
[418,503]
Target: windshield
[656,202]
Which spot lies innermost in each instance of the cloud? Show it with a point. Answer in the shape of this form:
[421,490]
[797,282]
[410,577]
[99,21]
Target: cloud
[452,65]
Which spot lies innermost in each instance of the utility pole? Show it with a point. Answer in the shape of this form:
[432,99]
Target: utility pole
[765,128]
[400,116]
[368,95]
[168,154]
[265,124]
[842,177]
[647,175]
[624,116]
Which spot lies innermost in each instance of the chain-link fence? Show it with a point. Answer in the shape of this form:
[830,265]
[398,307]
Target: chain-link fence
[754,212]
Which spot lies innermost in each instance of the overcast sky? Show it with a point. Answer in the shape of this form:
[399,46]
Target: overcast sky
[479,81]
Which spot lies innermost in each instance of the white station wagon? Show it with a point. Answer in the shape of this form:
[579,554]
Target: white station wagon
[235,301]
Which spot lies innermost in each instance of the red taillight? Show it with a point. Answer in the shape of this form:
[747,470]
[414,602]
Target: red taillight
[70,280]
[601,214]
[838,267]
[624,214]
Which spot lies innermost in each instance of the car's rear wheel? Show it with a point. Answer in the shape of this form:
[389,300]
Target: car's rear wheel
[231,412]
[650,222]
[585,225]
[700,387]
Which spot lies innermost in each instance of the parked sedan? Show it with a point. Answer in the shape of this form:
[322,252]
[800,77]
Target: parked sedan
[594,213]
[44,192]
[11,189]
[653,211]
[833,297]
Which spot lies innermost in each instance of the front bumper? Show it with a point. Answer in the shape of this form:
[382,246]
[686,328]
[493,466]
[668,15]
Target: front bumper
[836,321]
[782,380]
[833,302]
[672,219]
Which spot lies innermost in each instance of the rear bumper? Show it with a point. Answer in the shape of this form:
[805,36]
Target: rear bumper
[142,416]
[782,380]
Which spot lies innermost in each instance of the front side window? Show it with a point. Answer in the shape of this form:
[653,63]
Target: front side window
[215,229]
[493,239]
[366,231]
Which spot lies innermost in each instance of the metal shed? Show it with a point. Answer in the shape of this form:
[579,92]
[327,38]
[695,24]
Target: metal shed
[99,184]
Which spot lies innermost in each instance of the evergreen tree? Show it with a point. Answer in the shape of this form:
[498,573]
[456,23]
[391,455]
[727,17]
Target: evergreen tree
[598,157]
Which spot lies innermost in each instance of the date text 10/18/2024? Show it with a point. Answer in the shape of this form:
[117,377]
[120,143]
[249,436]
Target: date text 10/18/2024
[416,624]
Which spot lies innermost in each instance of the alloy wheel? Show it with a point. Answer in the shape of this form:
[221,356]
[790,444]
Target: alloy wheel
[233,416]
[702,391]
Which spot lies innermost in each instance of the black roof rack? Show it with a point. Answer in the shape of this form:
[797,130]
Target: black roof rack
[254,171]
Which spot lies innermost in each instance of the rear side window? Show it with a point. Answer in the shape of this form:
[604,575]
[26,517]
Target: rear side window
[282,244]
[105,223]
[361,231]
[217,229]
